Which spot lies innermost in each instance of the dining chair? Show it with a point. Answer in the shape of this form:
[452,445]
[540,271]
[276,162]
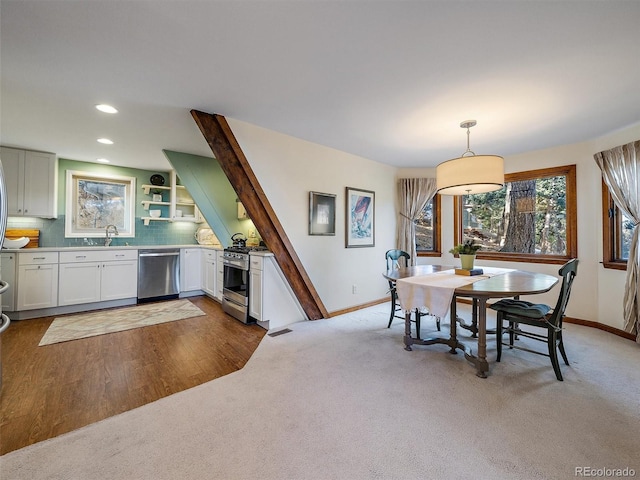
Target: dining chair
[520,312]
[395,259]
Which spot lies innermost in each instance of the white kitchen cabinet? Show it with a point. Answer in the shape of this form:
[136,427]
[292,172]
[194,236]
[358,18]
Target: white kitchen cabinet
[32,181]
[209,271]
[97,276]
[79,283]
[256,287]
[8,274]
[220,275]
[272,303]
[37,285]
[119,279]
[190,269]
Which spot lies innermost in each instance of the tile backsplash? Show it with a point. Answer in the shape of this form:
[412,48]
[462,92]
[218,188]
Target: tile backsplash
[156,233]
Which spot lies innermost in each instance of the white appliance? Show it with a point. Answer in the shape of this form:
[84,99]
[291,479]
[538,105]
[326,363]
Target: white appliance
[4,322]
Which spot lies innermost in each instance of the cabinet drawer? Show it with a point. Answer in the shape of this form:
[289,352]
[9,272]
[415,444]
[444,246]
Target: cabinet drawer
[97,255]
[210,254]
[37,258]
[256,263]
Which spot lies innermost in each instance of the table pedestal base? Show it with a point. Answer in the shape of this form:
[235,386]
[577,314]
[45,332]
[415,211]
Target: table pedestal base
[480,362]
[473,326]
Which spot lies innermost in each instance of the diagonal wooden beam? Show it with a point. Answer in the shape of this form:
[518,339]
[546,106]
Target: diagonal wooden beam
[227,151]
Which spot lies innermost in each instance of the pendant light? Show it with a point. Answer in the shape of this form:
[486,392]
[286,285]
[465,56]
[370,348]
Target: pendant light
[470,173]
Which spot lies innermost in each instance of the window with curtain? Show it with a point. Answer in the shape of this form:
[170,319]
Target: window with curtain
[531,219]
[428,229]
[617,232]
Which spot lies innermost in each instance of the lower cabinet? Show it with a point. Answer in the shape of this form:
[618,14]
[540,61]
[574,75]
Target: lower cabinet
[109,276]
[79,283]
[190,269]
[220,275]
[272,303]
[37,280]
[255,292]
[8,264]
[209,271]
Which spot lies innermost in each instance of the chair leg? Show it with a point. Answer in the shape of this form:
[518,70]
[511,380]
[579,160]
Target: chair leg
[561,348]
[553,353]
[512,334]
[418,323]
[499,336]
[393,307]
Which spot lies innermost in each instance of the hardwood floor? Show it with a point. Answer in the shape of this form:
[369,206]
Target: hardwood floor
[57,388]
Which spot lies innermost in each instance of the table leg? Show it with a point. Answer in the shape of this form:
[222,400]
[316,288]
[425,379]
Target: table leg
[407,330]
[482,367]
[453,335]
[474,318]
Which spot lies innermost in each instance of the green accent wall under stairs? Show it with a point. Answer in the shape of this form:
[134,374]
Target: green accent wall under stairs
[211,190]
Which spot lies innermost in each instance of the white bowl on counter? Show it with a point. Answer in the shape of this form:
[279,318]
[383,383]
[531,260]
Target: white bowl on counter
[15,243]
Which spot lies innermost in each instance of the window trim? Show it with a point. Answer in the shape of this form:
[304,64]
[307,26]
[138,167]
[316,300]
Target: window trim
[569,171]
[73,205]
[610,231]
[437,238]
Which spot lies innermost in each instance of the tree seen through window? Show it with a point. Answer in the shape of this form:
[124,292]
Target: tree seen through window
[533,215]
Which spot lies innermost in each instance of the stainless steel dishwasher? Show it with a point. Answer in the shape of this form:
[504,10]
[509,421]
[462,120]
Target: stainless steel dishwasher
[158,274]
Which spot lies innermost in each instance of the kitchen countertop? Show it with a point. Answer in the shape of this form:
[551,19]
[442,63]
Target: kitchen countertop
[99,247]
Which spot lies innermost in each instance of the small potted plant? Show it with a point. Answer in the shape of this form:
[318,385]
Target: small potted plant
[467,252]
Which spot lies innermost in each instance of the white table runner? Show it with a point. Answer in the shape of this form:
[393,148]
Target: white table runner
[435,290]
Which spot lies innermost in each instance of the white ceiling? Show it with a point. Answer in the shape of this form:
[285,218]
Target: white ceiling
[387,80]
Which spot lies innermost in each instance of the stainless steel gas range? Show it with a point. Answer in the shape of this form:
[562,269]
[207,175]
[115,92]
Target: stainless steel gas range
[235,287]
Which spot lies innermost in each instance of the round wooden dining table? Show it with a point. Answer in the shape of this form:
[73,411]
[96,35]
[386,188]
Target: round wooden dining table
[511,283]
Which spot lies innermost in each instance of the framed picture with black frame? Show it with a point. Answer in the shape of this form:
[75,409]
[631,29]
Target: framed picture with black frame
[322,213]
[360,218]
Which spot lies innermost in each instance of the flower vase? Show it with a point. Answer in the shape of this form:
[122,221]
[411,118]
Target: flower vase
[466,261]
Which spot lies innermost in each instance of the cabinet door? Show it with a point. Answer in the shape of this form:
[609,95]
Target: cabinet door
[220,275]
[8,267]
[255,294]
[13,166]
[119,280]
[40,185]
[79,283]
[37,286]
[190,269]
[209,274]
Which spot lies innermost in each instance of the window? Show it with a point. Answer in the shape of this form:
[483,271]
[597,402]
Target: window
[531,219]
[617,231]
[428,229]
[95,200]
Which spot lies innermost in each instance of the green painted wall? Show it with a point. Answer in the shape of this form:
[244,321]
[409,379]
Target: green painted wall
[141,176]
[208,185]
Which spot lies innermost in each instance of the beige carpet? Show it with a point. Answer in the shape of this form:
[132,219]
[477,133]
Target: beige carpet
[100,322]
[341,399]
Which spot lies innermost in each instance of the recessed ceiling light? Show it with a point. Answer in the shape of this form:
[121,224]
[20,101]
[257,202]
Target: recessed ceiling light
[106,108]
[102,160]
[106,141]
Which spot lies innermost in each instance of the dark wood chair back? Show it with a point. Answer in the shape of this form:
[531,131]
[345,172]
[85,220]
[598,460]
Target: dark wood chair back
[393,258]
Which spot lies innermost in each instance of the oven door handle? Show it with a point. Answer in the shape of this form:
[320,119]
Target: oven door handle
[238,265]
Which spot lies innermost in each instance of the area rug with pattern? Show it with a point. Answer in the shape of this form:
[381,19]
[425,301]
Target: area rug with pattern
[85,325]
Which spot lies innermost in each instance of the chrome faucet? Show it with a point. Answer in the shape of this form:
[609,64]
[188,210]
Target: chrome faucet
[108,239]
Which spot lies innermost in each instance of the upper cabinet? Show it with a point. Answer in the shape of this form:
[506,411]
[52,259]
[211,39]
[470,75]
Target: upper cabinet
[172,201]
[32,180]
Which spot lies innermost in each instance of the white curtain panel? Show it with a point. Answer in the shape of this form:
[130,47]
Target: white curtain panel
[413,195]
[620,171]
